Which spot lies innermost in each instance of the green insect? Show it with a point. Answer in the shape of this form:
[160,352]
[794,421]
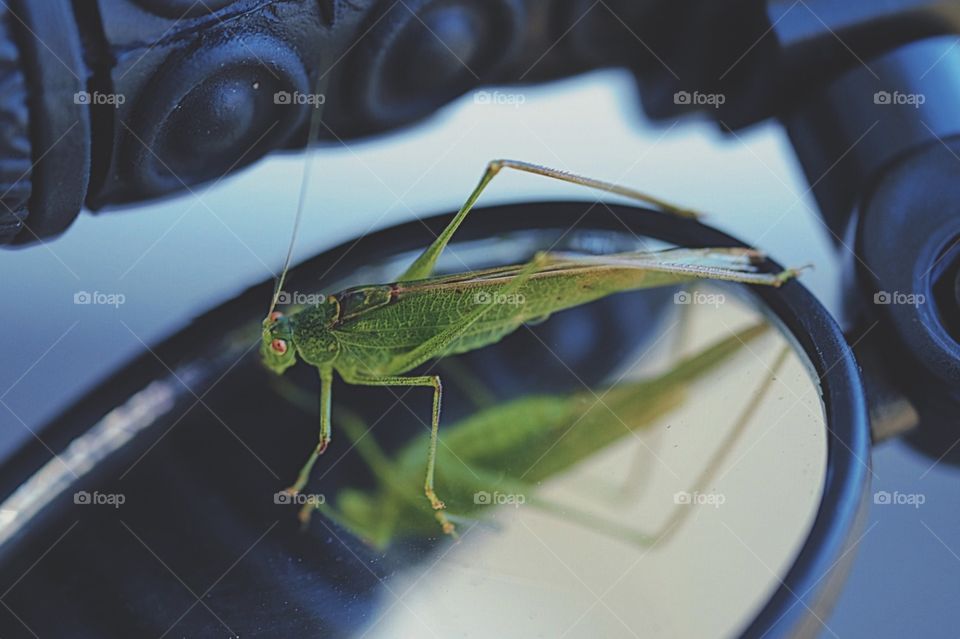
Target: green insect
[510,448]
[372,335]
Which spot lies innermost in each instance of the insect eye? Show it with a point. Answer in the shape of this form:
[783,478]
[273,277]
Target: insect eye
[274,316]
[279,346]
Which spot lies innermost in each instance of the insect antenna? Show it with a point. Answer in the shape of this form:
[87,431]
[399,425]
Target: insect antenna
[312,134]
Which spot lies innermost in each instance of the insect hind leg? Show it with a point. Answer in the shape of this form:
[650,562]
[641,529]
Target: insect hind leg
[424,265]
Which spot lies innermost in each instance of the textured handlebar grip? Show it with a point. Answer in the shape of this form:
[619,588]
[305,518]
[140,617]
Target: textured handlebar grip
[117,101]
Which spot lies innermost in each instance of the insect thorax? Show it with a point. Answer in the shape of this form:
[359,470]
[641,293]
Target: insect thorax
[312,332]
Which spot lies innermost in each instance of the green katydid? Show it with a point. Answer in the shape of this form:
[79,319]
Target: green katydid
[372,335]
[516,445]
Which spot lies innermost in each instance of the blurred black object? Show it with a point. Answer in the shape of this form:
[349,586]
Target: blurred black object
[116,101]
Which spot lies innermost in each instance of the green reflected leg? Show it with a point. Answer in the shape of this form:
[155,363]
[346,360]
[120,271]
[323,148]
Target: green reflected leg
[743,419]
[490,482]
[358,432]
[455,371]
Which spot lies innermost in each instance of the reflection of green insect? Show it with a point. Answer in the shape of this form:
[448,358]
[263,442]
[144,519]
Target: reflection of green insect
[371,335]
[510,448]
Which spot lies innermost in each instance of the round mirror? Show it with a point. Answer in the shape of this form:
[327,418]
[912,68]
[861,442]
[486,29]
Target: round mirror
[676,461]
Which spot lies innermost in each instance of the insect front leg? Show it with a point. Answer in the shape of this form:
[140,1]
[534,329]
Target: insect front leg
[363,442]
[326,394]
[432,381]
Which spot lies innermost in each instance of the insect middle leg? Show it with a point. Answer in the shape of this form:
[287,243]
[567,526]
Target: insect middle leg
[432,381]
[434,347]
